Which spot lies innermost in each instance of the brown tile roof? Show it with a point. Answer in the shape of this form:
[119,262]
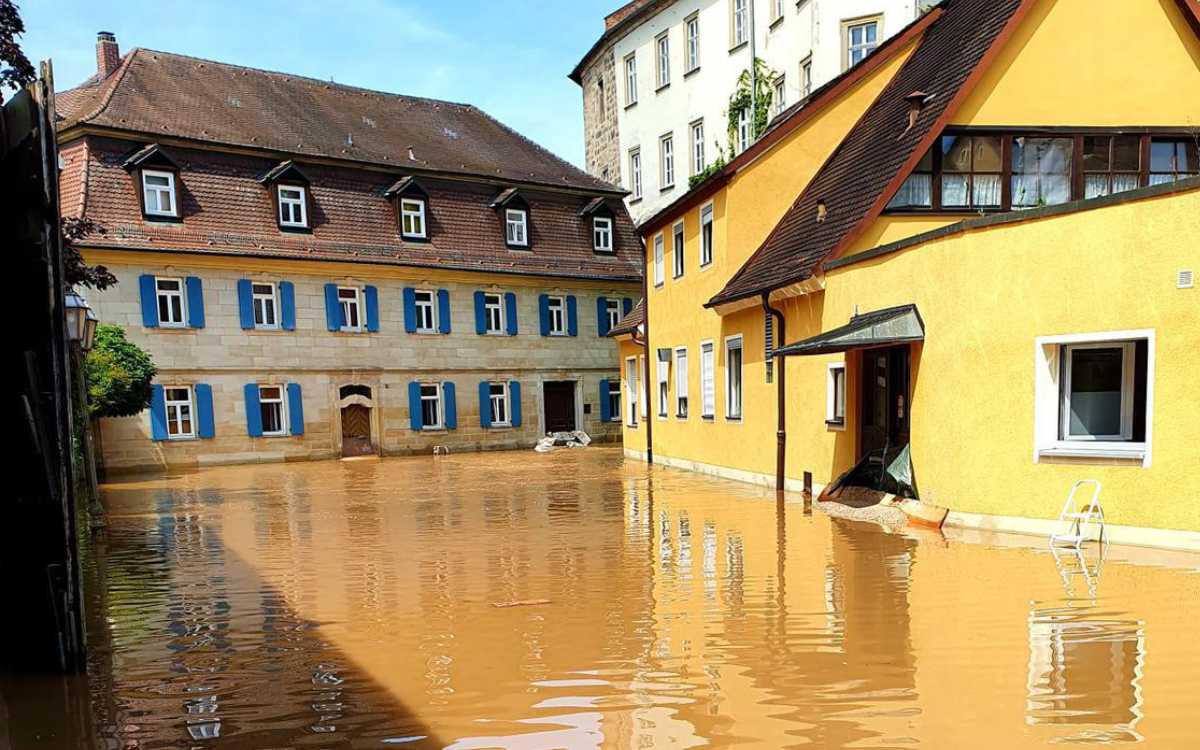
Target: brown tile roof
[878,151]
[160,95]
[628,325]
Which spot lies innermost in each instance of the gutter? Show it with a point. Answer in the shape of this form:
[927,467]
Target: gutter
[780,393]
[645,344]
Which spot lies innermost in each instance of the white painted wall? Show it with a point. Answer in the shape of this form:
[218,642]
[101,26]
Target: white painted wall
[807,28]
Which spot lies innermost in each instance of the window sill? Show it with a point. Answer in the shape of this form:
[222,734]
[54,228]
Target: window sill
[667,188]
[835,424]
[1130,452]
[739,47]
[681,416]
[691,72]
[181,439]
[630,106]
[775,24]
[633,201]
[736,420]
[295,228]
[663,87]
[156,219]
[708,417]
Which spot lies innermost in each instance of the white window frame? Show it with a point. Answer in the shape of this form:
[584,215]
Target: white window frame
[344,306]
[426,306]
[691,34]
[1128,365]
[666,160]
[697,135]
[663,381]
[743,129]
[643,390]
[556,314]
[806,76]
[516,227]
[659,272]
[708,398]
[662,60]
[612,309]
[493,302]
[631,79]
[262,301]
[158,191]
[614,414]
[735,411]
[189,403]
[1049,371]
[437,398]
[635,173]
[779,92]
[835,401]
[631,391]
[413,210]
[602,234]
[281,400]
[179,294]
[498,401]
[678,243]
[777,11]
[289,206]
[681,382]
[866,48]
[739,26]
[706,238]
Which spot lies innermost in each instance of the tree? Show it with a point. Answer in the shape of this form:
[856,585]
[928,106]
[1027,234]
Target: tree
[17,71]
[77,272]
[744,97]
[118,375]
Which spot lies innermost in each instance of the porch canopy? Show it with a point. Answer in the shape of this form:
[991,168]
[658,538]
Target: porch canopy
[895,325]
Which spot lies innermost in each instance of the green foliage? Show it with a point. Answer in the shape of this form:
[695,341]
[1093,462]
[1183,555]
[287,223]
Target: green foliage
[118,375]
[716,166]
[743,97]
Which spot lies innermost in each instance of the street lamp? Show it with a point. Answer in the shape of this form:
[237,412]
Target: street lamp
[81,321]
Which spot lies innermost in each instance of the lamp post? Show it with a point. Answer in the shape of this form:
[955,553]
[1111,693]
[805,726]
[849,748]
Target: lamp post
[81,321]
[81,331]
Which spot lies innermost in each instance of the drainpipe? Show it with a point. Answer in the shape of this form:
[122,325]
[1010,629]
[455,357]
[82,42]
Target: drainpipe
[645,344]
[780,392]
[753,71]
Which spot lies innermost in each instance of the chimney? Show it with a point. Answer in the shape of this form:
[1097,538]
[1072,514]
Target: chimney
[108,54]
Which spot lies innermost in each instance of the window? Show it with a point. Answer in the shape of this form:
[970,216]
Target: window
[664,381]
[677,253]
[170,302]
[666,154]
[1111,164]
[265,304]
[498,401]
[706,235]
[971,171]
[835,396]
[806,77]
[270,406]
[431,406]
[743,129]
[1041,171]
[635,174]
[697,147]
[1173,159]
[493,313]
[740,27]
[412,218]
[662,61]
[691,31]
[733,378]
[681,383]
[350,300]
[779,94]
[707,393]
[158,193]
[917,190]
[861,39]
[426,307]
[643,401]
[658,260]
[1097,391]
[556,313]
[612,309]
[631,389]
[631,80]
[614,402]
[292,209]
[180,424]
[516,227]
[776,10]
[602,234]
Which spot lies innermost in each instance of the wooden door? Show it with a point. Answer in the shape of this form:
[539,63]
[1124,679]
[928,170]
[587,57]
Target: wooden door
[356,431]
[885,407]
[560,406]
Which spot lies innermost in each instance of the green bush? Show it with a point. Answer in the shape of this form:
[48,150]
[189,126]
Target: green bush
[118,375]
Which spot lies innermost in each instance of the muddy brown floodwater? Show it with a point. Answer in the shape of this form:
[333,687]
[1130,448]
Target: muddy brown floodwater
[363,604]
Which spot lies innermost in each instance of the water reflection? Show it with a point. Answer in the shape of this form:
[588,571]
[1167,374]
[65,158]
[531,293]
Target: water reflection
[355,604]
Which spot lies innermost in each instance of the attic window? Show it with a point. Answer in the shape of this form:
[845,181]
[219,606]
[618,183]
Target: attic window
[516,224]
[293,211]
[412,218]
[158,193]
[602,234]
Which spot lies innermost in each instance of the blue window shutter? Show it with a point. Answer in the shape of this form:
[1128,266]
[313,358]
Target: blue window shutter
[572,316]
[414,404]
[510,312]
[480,314]
[410,309]
[450,404]
[602,316]
[295,409]
[627,305]
[245,304]
[333,311]
[149,303]
[485,404]
[443,301]
[195,302]
[158,411]
[204,411]
[253,411]
[605,414]
[544,313]
[287,301]
[514,403]
[372,295]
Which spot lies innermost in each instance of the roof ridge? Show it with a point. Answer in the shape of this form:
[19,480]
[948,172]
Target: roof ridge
[116,79]
[542,149]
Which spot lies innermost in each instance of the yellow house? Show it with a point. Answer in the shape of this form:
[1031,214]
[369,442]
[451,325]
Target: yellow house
[972,255]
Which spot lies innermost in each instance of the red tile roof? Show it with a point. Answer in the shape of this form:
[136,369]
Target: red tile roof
[628,325]
[854,183]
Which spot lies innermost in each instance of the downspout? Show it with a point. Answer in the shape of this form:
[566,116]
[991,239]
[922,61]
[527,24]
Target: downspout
[753,72]
[780,392]
[645,375]
[645,344]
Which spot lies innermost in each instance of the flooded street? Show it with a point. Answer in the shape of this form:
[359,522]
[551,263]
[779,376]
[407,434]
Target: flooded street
[572,600]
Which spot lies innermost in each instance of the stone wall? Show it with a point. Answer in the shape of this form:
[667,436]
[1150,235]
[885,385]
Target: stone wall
[602,143]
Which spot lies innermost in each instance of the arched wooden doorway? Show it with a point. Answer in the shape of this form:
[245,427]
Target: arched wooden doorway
[356,404]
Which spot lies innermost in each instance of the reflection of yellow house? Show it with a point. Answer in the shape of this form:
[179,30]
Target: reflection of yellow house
[980,245]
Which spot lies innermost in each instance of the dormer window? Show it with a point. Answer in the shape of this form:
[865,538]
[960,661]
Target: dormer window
[412,218]
[516,222]
[158,193]
[156,175]
[292,206]
[602,234]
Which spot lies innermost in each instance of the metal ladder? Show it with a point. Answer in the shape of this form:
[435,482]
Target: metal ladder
[1074,517]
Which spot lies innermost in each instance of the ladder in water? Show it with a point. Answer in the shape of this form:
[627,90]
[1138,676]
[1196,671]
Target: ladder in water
[1074,517]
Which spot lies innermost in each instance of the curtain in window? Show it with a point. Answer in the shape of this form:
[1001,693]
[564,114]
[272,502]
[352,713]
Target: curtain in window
[917,191]
[1097,185]
[1041,171]
[986,190]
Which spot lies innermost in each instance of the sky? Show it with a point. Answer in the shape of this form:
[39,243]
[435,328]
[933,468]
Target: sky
[510,59]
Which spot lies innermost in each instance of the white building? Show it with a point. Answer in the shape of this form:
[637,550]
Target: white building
[658,82]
